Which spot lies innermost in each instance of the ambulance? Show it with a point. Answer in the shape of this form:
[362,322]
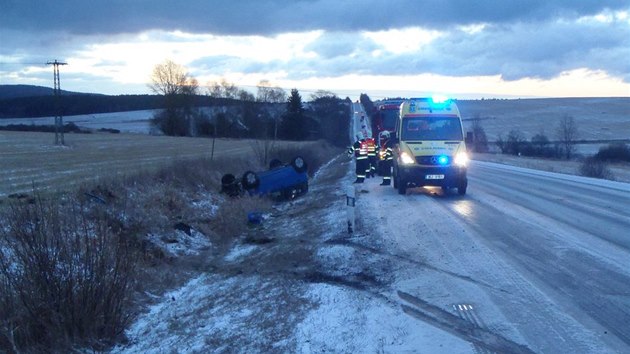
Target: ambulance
[429,147]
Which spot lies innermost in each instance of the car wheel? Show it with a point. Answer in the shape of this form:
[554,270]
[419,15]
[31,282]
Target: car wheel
[229,185]
[461,190]
[227,179]
[299,164]
[402,187]
[250,180]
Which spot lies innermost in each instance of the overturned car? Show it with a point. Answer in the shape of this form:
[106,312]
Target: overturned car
[280,182]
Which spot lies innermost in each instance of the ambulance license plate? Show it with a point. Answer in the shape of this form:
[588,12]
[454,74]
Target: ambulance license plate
[434,177]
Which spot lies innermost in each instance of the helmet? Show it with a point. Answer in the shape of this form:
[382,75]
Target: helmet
[385,134]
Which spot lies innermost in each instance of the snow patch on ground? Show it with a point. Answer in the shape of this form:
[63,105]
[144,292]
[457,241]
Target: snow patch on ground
[238,252]
[348,321]
[178,243]
[565,177]
[212,313]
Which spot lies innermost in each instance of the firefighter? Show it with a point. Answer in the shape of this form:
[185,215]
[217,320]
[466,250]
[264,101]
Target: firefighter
[361,159]
[386,169]
[371,152]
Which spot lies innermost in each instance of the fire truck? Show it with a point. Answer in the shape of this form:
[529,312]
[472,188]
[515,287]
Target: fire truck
[384,118]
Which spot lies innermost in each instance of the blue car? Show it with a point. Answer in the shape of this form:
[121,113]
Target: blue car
[281,181]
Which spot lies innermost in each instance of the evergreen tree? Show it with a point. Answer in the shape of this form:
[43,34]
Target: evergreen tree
[294,123]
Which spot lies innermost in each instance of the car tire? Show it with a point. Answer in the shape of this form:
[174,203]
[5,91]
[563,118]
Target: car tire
[299,164]
[229,185]
[250,180]
[227,179]
[402,187]
[461,190]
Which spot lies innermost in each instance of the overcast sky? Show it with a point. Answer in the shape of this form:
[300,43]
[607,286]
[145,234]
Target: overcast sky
[475,48]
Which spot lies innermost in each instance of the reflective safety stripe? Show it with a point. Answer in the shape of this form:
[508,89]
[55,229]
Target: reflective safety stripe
[361,157]
[386,177]
[360,176]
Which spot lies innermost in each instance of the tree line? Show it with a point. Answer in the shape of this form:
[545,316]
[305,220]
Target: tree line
[270,114]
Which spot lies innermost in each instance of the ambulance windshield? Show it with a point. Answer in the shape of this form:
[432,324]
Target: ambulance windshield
[431,128]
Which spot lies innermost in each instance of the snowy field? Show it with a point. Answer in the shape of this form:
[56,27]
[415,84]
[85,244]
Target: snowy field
[491,272]
[127,122]
[31,160]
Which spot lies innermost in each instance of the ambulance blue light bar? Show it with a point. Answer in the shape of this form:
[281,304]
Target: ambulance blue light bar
[439,99]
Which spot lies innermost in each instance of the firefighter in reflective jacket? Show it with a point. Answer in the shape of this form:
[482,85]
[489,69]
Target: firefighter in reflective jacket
[371,153]
[359,148]
[386,168]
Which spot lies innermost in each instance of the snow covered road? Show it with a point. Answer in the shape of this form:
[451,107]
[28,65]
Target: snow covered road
[527,261]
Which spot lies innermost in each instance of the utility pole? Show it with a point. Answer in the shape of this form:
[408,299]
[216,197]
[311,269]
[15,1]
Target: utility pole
[57,93]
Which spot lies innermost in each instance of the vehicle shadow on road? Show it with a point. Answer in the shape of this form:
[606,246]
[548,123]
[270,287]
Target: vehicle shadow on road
[436,192]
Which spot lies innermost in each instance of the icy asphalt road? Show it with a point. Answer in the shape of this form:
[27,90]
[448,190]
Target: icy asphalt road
[527,261]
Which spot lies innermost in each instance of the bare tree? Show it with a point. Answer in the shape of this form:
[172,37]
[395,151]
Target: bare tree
[223,89]
[179,89]
[322,94]
[480,140]
[169,78]
[270,94]
[567,134]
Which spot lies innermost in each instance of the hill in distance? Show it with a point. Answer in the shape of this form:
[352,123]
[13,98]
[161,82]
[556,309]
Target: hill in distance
[19,91]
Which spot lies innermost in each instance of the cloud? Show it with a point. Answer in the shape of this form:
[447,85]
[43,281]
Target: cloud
[305,39]
[514,52]
[269,17]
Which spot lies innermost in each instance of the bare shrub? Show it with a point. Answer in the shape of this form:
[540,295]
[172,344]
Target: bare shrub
[264,150]
[592,167]
[64,277]
[614,152]
[515,143]
[480,140]
[567,134]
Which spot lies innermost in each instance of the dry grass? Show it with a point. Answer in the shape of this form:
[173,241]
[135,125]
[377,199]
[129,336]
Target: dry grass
[65,277]
[82,230]
[30,159]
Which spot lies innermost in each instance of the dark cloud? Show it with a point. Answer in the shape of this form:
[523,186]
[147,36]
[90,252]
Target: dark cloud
[335,44]
[513,52]
[268,17]
[521,38]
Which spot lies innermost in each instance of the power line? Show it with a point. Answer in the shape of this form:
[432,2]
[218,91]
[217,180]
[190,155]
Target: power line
[57,93]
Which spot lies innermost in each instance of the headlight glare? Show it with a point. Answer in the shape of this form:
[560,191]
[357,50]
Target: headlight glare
[406,159]
[461,159]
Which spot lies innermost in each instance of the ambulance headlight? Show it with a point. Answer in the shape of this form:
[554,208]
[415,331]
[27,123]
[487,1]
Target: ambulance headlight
[461,159]
[406,159]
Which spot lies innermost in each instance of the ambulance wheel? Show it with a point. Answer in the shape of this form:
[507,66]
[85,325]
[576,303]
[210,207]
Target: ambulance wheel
[299,164]
[395,179]
[461,190]
[250,180]
[402,187]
